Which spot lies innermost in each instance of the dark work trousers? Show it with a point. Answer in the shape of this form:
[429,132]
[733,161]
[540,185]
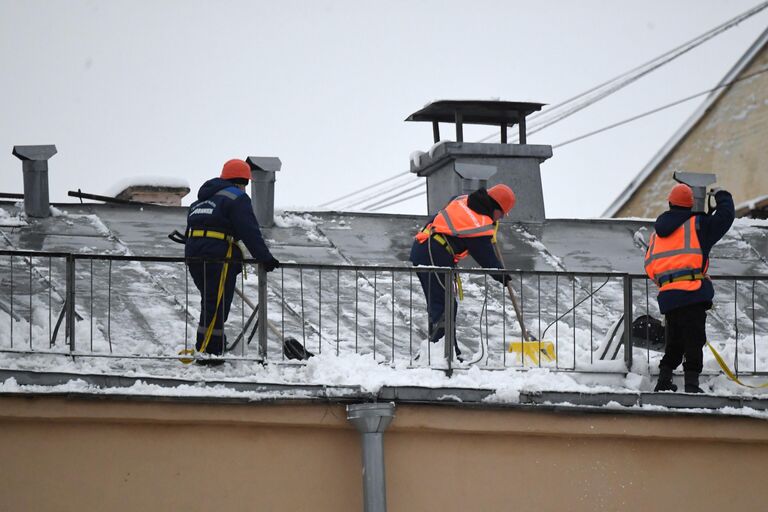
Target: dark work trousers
[206,276]
[686,337]
[433,284]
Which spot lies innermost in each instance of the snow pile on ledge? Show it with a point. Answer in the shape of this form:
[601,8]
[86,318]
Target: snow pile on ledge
[146,181]
[13,221]
[363,372]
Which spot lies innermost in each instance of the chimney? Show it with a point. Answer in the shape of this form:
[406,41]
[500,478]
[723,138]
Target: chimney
[155,194]
[263,169]
[35,167]
[453,168]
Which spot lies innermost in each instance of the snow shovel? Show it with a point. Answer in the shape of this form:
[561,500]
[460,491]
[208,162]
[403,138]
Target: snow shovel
[530,346]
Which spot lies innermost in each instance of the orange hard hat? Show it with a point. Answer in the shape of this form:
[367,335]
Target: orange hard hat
[503,195]
[236,168]
[681,195]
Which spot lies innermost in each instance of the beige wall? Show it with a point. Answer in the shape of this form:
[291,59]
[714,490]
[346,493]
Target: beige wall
[73,454]
[729,140]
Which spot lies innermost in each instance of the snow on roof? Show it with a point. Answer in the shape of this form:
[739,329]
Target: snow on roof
[146,181]
[156,325]
[692,121]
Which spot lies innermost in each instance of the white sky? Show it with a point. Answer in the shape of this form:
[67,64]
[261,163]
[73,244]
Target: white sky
[175,88]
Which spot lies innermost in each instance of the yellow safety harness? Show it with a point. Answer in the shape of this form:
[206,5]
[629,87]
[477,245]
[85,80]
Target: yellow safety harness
[440,239]
[204,233]
[437,237]
[729,372]
[688,277]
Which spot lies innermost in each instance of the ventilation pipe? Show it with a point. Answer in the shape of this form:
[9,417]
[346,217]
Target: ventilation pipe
[698,182]
[263,169]
[371,420]
[474,176]
[35,167]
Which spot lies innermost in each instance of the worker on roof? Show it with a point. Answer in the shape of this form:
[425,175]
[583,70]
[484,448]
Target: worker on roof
[220,218]
[677,259]
[466,226]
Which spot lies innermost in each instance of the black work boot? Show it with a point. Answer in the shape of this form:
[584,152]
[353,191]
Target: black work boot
[665,380]
[692,383]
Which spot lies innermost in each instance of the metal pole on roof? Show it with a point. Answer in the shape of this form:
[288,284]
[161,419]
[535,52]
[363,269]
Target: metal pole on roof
[448,316]
[371,420]
[628,321]
[262,318]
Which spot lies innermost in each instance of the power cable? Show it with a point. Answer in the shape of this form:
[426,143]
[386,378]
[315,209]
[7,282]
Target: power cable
[378,193]
[542,120]
[655,110]
[553,115]
[364,188]
[390,197]
[635,117]
[399,200]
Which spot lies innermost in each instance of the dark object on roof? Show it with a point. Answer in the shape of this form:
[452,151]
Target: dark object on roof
[107,199]
[154,194]
[41,152]
[756,208]
[494,113]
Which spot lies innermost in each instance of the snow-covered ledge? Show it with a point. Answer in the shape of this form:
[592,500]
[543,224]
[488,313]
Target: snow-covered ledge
[162,190]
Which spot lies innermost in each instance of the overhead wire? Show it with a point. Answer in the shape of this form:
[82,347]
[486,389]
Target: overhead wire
[657,109]
[400,200]
[368,187]
[373,196]
[541,120]
[370,207]
[553,114]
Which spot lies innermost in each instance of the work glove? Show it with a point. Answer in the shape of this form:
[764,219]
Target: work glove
[271,264]
[716,190]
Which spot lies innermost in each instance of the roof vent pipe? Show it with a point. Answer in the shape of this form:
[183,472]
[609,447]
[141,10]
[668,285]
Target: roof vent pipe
[371,420]
[263,169]
[35,167]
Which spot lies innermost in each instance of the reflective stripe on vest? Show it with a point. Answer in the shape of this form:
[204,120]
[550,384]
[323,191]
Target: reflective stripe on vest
[676,262]
[458,219]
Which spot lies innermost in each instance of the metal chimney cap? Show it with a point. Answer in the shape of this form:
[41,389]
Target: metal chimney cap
[485,112]
[264,163]
[43,152]
[694,179]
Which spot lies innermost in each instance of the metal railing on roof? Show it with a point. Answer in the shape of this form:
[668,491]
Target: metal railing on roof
[145,308]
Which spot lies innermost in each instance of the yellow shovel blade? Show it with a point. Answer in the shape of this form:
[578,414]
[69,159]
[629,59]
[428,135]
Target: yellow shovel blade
[534,349]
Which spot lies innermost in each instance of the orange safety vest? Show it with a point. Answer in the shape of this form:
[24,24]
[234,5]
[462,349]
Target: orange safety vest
[457,219]
[676,262]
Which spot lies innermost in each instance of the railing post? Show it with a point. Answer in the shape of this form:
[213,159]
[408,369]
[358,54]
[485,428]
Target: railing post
[450,333]
[628,321]
[262,311]
[69,302]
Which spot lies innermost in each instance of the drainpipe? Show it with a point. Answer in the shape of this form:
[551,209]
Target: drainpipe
[371,420]
[35,167]
[263,169]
